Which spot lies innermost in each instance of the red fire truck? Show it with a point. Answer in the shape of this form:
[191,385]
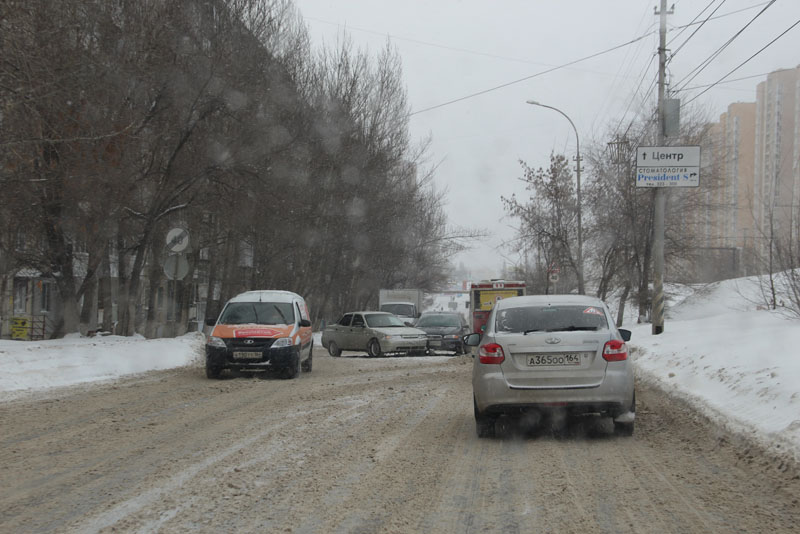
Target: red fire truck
[484,294]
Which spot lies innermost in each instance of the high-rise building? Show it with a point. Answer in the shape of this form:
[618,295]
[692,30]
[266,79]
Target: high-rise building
[755,194]
[777,158]
[734,152]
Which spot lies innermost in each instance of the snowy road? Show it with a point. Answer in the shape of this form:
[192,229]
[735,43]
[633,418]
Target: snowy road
[365,446]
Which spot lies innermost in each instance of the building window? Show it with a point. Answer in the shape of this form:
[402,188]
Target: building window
[47,297]
[19,241]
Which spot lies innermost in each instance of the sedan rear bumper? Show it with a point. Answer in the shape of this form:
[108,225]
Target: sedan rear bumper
[440,343]
[612,396]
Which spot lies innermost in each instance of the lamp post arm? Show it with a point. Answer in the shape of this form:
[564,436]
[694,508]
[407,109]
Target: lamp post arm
[581,288]
[574,129]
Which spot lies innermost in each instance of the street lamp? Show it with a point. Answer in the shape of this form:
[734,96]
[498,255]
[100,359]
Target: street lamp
[577,190]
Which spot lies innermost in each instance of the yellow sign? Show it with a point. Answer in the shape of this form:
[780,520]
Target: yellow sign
[489,297]
[20,328]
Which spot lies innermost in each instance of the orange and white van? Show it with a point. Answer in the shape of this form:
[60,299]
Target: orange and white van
[261,330]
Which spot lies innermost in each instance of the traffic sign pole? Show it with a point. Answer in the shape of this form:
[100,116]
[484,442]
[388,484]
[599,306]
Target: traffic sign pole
[657,310]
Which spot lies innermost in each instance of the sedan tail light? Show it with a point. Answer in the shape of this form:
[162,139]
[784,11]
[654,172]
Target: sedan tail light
[491,353]
[615,351]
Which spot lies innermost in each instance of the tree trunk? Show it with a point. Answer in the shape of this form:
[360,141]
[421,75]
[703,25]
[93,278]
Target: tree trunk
[88,315]
[154,277]
[128,319]
[106,289]
[622,300]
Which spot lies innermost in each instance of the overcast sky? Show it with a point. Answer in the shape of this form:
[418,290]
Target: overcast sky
[454,48]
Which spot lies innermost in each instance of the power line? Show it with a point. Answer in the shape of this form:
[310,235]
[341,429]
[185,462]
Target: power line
[501,86]
[685,27]
[636,92]
[729,81]
[486,54]
[729,13]
[744,62]
[428,43]
[694,22]
[698,28]
[626,67]
[702,66]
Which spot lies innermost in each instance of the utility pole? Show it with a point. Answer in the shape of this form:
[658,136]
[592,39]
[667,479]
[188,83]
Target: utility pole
[657,310]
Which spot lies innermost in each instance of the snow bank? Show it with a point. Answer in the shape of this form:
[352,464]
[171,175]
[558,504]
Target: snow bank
[37,365]
[738,364]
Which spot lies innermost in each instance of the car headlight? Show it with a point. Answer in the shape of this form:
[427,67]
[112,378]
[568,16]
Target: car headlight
[451,336]
[282,342]
[216,342]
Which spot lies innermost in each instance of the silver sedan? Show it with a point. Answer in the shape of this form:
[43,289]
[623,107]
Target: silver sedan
[549,354]
[377,333]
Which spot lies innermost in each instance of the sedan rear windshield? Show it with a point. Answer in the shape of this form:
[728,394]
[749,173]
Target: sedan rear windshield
[439,320]
[550,319]
[257,313]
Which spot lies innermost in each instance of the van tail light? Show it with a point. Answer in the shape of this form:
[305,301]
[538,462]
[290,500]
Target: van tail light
[491,353]
[615,351]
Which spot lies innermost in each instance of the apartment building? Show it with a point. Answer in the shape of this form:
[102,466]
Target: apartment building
[731,227]
[756,156]
[777,157]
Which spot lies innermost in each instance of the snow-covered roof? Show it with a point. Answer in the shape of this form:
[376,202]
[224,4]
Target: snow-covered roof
[28,273]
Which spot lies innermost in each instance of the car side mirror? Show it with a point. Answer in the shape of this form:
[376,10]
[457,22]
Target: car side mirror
[211,322]
[305,322]
[471,340]
[626,334]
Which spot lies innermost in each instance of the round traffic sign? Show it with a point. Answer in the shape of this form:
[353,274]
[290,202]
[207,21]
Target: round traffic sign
[177,240]
[176,266]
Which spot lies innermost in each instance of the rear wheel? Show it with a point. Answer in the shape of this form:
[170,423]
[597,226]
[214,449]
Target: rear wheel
[484,424]
[623,429]
[307,364]
[334,350]
[626,429]
[374,348]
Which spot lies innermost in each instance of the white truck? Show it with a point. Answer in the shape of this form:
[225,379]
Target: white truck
[405,303]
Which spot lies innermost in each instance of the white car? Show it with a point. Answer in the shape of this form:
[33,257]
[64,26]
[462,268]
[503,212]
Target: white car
[377,333]
[548,353]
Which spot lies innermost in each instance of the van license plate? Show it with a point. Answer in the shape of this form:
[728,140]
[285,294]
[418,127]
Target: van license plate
[554,359]
[247,355]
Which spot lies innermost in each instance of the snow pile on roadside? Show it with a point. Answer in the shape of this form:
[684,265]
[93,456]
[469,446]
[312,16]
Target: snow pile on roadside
[37,365]
[736,363]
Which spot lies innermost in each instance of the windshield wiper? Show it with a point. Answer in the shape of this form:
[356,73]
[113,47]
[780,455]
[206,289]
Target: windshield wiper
[281,314]
[526,332]
[573,328]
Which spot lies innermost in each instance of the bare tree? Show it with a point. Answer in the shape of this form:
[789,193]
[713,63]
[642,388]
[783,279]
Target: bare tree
[548,218]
